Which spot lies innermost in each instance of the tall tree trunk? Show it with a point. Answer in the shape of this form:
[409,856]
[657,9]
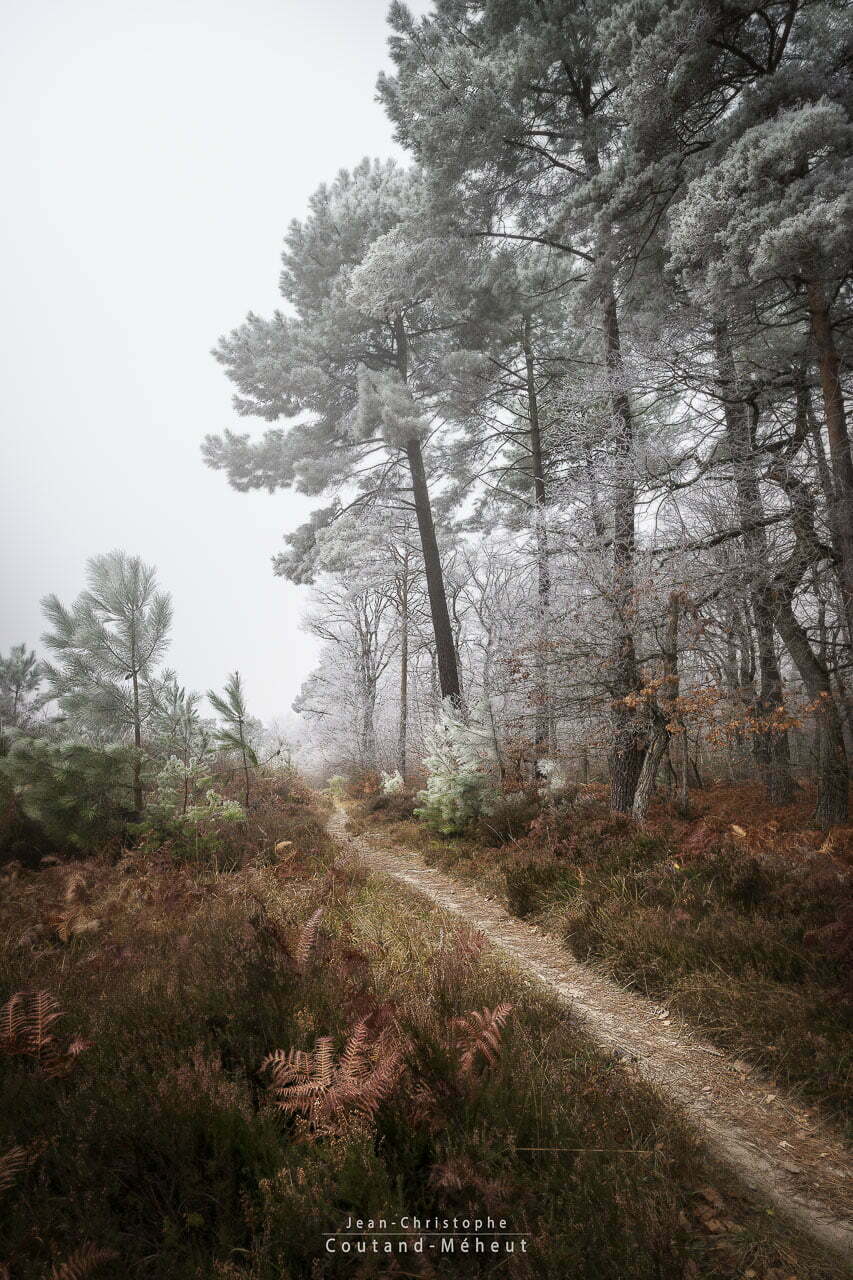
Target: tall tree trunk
[833,771]
[841,516]
[543,715]
[402,732]
[771,745]
[448,668]
[662,710]
[367,743]
[137,742]
[629,742]
[832,766]
[245,766]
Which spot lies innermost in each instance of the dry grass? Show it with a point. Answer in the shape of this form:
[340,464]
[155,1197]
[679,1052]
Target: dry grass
[425,1092]
[738,921]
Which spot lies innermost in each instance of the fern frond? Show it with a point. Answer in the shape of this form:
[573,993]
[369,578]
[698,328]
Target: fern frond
[323,1061]
[353,1061]
[25,1028]
[307,941]
[326,1089]
[480,1034]
[13,1020]
[81,1263]
[44,1012]
[12,1165]
[286,1066]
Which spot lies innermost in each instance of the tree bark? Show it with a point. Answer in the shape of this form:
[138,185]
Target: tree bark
[543,716]
[662,710]
[771,745]
[448,668]
[137,742]
[402,733]
[841,514]
[629,740]
[832,767]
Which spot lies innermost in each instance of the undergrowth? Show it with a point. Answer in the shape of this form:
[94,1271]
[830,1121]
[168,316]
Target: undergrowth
[745,931]
[247,1057]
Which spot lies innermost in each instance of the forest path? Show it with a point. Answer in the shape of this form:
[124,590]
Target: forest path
[776,1148]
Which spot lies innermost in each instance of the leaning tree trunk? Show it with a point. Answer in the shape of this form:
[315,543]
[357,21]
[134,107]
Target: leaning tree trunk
[448,668]
[833,769]
[771,744]
[832,766]
[629,741]
[841,513]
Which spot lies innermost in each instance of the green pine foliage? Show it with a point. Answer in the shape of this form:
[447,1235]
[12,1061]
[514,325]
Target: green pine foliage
[80,796]
[460,779]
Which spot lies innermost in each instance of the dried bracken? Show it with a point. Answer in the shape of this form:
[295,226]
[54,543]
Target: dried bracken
[76,888]
[26,1022]
[81,1263]
[70,924]
[478,1037]
[327,1089]
[12,1165]
[307,941]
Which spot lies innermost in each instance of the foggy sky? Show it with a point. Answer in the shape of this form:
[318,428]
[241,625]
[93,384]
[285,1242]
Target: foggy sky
[153,155]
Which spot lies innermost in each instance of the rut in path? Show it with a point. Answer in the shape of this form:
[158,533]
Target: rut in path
[776,1149]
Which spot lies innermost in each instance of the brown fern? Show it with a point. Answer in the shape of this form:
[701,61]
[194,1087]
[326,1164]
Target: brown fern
[81,1263]
[26,1022]
[12,1165]
[13,1022]
[307,941]
[479,1035]
[326,1089]
[76,888]
[71,923]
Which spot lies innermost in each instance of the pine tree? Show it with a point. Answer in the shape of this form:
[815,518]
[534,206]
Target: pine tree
[107,646]
[21,676]
[233,734]
[357,358]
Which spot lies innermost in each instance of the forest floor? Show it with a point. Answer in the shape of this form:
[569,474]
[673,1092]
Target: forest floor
[155,994]
[778,1147]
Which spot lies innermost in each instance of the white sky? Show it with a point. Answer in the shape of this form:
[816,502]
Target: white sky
[152,156]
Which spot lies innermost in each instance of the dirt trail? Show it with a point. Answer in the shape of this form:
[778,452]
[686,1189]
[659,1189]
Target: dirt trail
[775,1147]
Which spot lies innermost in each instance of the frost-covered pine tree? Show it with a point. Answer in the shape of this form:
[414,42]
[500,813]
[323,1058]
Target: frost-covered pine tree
[461,771]
[510,108]
[355,361]
[106,649]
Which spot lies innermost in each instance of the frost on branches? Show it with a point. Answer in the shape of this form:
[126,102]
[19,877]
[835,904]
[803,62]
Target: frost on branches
[461,768]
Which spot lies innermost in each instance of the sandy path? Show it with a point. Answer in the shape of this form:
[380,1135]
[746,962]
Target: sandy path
[774,1146]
